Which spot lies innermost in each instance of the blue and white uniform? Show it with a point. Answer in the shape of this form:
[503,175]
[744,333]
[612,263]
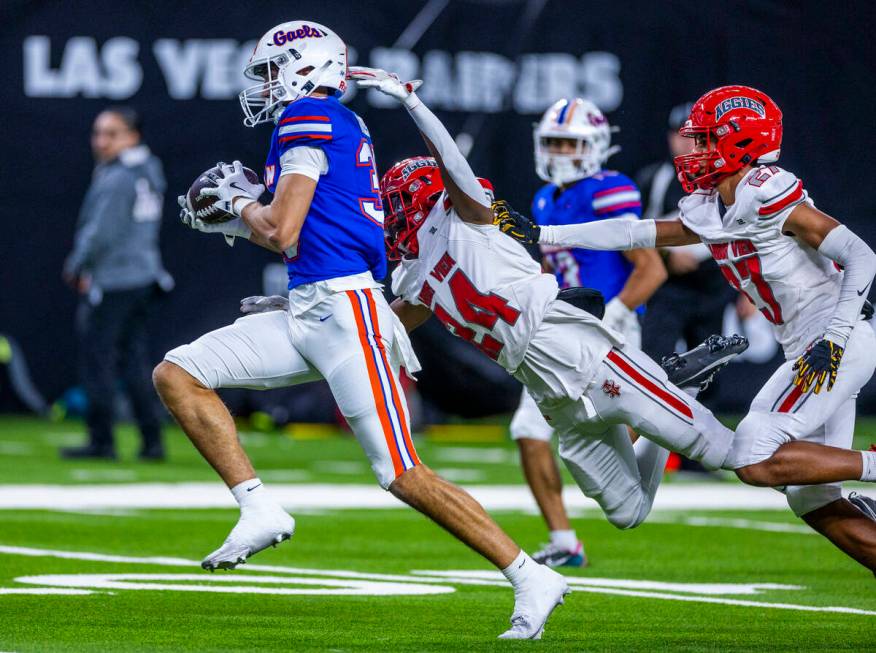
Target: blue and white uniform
[607,194]
[339,326]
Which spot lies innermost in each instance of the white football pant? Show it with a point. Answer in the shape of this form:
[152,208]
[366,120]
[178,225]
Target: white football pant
[781,412]
[349,339]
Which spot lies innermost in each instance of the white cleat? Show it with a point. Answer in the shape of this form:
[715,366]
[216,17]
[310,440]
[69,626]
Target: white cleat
[534,603]
[254,532]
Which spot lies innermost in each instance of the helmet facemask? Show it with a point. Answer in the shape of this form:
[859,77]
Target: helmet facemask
[580,121]
[561,169]
[278,86]
[403,220]
[705,167]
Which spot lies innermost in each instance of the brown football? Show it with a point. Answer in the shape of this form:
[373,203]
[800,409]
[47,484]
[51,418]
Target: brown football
[204,206]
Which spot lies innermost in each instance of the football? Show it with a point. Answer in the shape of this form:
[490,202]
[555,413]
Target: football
[204,206]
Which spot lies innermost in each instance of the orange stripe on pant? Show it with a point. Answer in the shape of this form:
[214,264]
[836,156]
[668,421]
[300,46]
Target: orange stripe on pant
[396,396]
[376,389]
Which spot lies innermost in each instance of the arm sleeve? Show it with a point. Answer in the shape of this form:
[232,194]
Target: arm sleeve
[454,162]
[109,215]
[308,160]
[842,246]
[612,235]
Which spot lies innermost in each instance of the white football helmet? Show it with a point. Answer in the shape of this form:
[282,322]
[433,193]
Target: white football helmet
[579,120]
[276,61]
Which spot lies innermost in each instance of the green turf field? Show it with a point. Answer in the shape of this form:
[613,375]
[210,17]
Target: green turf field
[387,579]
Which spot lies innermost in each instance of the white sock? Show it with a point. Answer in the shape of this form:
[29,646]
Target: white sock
[567,540]
[521,570]
[868,458]
[251,494]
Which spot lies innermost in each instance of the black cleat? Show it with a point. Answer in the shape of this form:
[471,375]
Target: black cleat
[863,503]
[697,367]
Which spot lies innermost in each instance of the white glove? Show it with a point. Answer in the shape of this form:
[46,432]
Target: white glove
[262,304]
[617,315]
[231,229]
[387,83]
[233,185]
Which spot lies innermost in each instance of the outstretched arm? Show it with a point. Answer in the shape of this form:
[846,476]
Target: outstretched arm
[465,191]
[615,234]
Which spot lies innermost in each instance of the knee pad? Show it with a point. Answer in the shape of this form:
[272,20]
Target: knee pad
[758,436]
[804,499]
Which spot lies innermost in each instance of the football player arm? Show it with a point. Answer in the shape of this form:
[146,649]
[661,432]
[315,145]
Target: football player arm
[838,243]
[410,315]
[277,226]
[618,234]
[465,191]
[647,276]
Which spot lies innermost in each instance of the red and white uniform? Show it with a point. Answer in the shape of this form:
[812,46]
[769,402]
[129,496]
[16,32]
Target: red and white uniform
[479,283]
[486,289]
[797,289]
[794,286]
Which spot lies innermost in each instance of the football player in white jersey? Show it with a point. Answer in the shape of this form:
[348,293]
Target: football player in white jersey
[807,273]
[485,288]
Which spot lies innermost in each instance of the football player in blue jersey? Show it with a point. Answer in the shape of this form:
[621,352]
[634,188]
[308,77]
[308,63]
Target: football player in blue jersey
[572,144]
[326,220]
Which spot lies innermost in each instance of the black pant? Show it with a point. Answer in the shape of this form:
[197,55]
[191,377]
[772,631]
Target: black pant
[112,334]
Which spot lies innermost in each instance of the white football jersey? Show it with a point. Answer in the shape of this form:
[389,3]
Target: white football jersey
[481,284]
[794,286]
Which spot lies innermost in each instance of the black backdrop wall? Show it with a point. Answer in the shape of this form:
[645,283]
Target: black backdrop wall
[490,68]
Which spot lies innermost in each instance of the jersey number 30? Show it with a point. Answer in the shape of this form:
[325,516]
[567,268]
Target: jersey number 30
[370,206]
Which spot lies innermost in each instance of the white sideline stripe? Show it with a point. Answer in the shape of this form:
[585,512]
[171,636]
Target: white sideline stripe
[113,581]
[317,496]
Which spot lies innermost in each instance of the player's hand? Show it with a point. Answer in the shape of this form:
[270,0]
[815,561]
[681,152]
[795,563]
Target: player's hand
[263,304]
[820,363]
[618,315]
[515,224]
[233,185]
[231,229]
[387,83]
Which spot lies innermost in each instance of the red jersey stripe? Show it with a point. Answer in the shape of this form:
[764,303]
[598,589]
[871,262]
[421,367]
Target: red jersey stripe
[775,207]
[286,121]
[324,137]
[616,189]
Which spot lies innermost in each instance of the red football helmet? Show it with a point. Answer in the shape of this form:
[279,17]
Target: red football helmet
[738,125]
[409,190]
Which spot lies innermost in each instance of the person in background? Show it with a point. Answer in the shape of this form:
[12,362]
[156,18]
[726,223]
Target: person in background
[690,305]
[572,146]
[116,268]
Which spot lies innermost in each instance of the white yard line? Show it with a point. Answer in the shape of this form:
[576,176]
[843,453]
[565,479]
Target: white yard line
[317,496]
[338,582]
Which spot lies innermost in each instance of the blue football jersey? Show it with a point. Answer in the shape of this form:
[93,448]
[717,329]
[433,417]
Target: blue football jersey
[607,194]
[343,231]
